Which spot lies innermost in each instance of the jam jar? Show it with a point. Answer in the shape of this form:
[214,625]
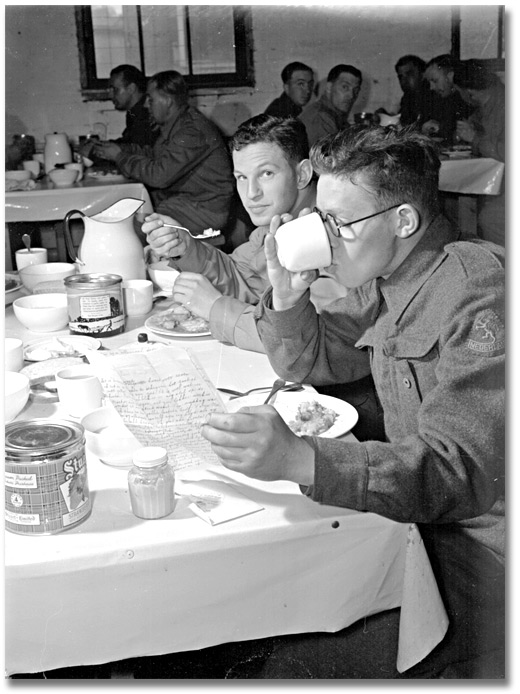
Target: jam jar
[151,483]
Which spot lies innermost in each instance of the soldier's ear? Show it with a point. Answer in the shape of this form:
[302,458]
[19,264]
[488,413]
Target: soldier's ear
[408,221]
[304,173]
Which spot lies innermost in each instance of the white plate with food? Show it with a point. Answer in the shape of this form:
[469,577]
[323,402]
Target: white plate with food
[177,321]
[112,176]
[12,283]
[66,346]
[307,413]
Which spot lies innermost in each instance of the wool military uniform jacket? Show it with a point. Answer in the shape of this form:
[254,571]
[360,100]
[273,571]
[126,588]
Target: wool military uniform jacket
[432,335]
[242,278]
[188,171]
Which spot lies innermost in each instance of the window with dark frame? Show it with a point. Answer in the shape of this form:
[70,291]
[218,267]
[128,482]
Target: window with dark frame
[210,45]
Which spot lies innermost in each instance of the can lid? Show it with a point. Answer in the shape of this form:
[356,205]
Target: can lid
[150,456]
[93,279]
[33,438]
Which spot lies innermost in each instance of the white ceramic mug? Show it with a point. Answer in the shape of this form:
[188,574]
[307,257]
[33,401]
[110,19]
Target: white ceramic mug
[79,390]
[36,256]
[77,166]
[303,244]
[33,167]
[13,354]
[138,297]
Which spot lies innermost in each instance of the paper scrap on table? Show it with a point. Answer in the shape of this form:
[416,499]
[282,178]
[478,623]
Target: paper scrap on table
[214,501]
[163,396]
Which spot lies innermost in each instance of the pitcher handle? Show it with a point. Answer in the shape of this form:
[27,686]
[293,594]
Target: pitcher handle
[68,236]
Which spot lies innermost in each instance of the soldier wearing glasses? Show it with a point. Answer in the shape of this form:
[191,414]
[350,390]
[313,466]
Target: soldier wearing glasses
[424,313]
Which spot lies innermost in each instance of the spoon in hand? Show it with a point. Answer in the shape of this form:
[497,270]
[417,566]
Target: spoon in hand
[27,242]
[237,394]
[277,385]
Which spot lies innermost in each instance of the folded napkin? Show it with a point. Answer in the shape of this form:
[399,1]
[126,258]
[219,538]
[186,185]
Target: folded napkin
[215,501]
[11,185]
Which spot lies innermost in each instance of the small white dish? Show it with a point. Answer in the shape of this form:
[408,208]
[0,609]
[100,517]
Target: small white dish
[42,313]
[108,438]
[50,348]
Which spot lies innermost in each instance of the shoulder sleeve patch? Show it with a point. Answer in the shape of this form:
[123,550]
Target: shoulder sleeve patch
[487,335]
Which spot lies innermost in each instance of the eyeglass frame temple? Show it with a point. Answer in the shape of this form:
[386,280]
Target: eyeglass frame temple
[348,224]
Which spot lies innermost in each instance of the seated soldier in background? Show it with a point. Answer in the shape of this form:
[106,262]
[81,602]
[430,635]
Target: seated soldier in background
[273,177]
[128,89]
[298,83]
[485,130]
[448,106]
[416,102]
[330,113]
[424,313]
[188,169]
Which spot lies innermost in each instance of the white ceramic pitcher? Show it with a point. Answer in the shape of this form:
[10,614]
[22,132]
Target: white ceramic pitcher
[57,151]
[109,244]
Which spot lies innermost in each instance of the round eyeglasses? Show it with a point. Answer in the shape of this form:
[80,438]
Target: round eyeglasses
[335,227]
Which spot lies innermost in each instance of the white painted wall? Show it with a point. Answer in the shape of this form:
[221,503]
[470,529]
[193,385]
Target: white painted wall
[42,84]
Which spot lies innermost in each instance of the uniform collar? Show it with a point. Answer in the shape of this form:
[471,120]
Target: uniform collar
[405,282]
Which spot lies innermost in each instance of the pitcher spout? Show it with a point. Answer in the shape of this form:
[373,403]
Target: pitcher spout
[119,211]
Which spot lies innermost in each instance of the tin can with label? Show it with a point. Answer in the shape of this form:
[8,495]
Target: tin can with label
[95,304]
[46,484]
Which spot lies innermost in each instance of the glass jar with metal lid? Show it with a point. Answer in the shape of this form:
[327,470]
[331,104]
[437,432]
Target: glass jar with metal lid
[46,483]
[95,303]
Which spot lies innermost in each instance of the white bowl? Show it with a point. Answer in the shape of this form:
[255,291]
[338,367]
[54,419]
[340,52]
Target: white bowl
[108,438]
[42,313]
[162,275]
[17,175]
[16,388]
[46,272]
[63,177]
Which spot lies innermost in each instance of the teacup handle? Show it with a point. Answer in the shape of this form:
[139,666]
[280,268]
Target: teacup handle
[68,236]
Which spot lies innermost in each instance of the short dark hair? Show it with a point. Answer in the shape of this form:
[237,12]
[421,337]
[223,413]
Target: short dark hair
[337,70]
[172,83]
[472,74]
[444,62]
[288,70]
[130,75]
[419,63]
[397,165]
[289,134]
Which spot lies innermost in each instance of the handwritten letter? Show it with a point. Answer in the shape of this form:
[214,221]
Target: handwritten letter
[163,397]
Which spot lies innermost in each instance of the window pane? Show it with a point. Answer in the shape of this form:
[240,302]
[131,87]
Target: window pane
[476,23]
[164,38]
[116,39]
[212,39]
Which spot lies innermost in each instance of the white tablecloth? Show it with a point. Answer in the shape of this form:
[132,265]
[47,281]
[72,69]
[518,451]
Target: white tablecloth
[117,587]
[471,176]
[47,203]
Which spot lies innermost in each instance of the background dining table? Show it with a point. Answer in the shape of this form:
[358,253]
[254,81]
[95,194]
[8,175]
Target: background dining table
[462,181]
[47,203]
[116,586]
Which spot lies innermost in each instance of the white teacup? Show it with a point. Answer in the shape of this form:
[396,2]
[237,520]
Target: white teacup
[33,167]
[138,297]
[13,355]
[303,244]
[77,166]
[79,390]
[36,256]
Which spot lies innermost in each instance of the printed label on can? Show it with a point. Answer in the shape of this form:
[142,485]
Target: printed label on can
[17,481]
[95,306]
[98,327]
[46,496]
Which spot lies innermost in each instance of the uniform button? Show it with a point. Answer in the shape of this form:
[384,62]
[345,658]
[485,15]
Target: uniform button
[407,383]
